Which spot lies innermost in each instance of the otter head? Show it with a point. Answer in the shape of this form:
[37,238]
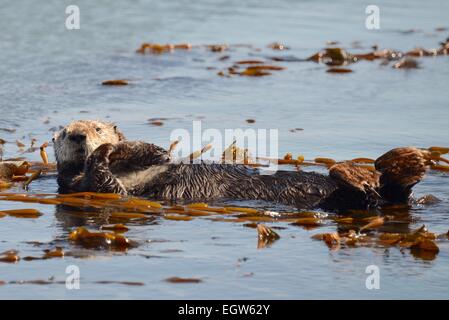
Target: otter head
[79,139]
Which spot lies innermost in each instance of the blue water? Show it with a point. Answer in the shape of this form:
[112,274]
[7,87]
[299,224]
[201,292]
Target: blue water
[50,73]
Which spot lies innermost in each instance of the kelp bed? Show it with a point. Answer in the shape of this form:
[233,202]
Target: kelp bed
[111,216]
[259,64]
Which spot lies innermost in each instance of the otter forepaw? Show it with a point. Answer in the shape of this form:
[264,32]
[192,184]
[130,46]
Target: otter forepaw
[103,152]
[100,157]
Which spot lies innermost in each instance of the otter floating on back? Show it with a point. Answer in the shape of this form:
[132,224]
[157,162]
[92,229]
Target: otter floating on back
[94,156]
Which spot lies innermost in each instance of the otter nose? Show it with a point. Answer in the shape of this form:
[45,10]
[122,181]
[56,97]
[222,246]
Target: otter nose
[77,137]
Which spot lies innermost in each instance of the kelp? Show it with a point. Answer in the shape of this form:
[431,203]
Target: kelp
[183,280]
[8,169]
[217,47]
[119,228]
[43,153]
[156,123]
[406,63]
[331,239]
[116,82]
[156,48]
[250,62]
[31,178]
[56,253]
[196,154]
[234,154]
[266,236]
[99,240]
[278,46]
[177,217]
[22,213]
[421,242]
[10,256]
[339,70]
[307,222]
[375,223]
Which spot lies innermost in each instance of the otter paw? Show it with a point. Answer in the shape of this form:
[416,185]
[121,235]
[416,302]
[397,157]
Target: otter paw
[104,151]
[100,156]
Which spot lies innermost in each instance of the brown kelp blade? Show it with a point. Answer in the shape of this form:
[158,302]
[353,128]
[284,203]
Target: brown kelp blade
[266,236]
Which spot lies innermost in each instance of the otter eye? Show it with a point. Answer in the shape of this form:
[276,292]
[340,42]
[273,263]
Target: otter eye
[63,134]
[98,129]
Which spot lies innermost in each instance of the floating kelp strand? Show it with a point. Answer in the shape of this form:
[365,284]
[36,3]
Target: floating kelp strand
[49,201]
[177,217]
[249,62]
[8,169]
[43,153]
[308,222]
[5,185]
[9,257]
[375,223]
[193,213]
[331,239]
[266,236]
[56,253]
[120,228]
[406,63]
[92,195]
[90,239]
[339,70]
[441,150]
[36,175]
[440,167]
[22,213]
[239,209]
[278,46]
[115,82]
[327,161]
[141,202]
[183,280]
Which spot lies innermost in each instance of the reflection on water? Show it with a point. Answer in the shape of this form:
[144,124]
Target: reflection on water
[51,76]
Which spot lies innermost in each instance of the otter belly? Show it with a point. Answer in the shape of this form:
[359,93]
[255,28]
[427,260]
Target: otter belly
[139,179]
[203,182]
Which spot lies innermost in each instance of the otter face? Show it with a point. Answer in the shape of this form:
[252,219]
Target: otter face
[79,139]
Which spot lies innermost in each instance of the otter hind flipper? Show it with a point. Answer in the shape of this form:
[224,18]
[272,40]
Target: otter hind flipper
[401,169]
[353,176]
[357,178]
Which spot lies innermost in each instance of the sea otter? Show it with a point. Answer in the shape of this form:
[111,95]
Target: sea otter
[95,156]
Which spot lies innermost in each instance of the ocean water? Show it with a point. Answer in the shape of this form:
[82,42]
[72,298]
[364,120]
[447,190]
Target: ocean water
[50,76]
